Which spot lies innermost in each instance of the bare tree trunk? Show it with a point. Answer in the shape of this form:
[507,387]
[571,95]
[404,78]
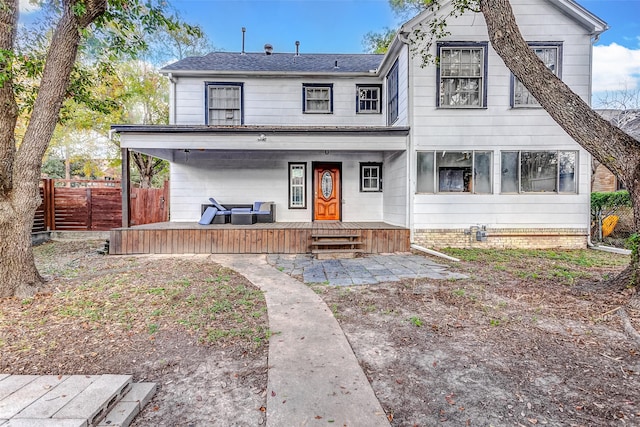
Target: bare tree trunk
[147,167]
[20,195]
[8,105]
[618,151]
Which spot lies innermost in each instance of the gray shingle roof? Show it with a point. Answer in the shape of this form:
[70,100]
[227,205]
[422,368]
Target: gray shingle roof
[278,62]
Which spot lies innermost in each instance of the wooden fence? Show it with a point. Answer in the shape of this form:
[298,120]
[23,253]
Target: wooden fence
[81,205]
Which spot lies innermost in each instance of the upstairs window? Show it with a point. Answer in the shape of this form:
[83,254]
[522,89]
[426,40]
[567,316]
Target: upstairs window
[317,98]
[224,104]
[539,172]
[368,99]
[392,94]
[462,75]
[550,55]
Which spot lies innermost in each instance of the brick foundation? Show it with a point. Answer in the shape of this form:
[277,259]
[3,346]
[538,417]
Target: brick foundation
[503,238]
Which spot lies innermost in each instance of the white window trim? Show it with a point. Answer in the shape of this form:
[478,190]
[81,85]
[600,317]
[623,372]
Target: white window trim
[371,166]
[377,100]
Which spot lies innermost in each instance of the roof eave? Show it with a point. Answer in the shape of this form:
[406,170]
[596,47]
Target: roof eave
[218,73]
[588,20]
[291,130]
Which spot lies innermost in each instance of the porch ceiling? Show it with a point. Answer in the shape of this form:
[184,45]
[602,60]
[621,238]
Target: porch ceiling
[262,138]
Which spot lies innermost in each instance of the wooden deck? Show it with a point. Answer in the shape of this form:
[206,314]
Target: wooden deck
[278,237]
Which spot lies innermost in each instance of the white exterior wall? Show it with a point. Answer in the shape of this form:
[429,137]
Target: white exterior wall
[498,127]
[394,187]
[278,101]
[243,178]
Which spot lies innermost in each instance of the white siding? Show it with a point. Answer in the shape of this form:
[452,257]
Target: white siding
[243,178]
[499,127]
[278,101]
[394,184]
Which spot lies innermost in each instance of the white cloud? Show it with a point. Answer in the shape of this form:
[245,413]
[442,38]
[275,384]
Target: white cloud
[28,6]
[615,68]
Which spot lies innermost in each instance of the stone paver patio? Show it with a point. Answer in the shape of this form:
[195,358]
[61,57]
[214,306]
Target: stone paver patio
[368,270]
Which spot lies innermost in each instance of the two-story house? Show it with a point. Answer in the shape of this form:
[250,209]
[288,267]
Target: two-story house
[456,151]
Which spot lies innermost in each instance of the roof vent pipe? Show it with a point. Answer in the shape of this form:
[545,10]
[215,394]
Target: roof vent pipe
[297,48]
[335,64]
[268,49]
[243,31]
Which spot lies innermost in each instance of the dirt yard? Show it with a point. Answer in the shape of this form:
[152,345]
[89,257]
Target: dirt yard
[519,343]
[522,342]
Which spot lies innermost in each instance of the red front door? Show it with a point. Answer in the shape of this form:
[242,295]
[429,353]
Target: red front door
[326,192]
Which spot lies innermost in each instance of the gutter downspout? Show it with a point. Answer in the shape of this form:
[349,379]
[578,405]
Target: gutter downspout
[172,99]
[402,36]
[434,253]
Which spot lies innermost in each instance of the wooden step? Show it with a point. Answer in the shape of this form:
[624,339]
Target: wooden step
[336,242]
[336,253]
[334,236]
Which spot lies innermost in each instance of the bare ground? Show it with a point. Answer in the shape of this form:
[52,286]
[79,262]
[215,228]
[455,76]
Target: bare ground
[519,343]
[529,339]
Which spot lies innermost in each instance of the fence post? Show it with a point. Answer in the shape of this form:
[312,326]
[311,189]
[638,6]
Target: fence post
[49,205]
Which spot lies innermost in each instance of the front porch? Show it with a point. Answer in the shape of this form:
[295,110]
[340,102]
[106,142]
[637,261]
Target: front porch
[272,238]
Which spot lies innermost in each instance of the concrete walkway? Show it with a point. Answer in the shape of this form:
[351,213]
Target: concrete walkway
[314,378]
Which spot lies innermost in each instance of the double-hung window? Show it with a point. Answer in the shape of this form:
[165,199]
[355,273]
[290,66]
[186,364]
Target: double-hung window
[550,54]
[224,104]
[317,98]
[370,177]
[462,75]
[454,172]
[368,99]
[392,94]
[297,185]
[539,172]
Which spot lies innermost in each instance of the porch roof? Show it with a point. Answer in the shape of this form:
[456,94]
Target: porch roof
[260,138]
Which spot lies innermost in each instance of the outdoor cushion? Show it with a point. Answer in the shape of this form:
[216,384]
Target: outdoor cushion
[221,209]
[262,208]
[208,215]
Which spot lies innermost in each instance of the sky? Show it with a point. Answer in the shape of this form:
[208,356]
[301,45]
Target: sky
[339,26]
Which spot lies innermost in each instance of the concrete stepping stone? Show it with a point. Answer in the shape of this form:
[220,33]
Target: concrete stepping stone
[71,401]
[131,404]
[93,402]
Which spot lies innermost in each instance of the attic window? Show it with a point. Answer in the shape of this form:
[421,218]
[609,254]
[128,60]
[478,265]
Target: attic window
[317,98]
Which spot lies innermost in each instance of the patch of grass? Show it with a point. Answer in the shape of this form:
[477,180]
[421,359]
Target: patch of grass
[506,257]
[334,309]
[459,292]
[415,321]
[121,297]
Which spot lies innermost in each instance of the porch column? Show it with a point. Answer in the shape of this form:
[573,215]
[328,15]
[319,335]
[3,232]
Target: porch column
[125,184]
